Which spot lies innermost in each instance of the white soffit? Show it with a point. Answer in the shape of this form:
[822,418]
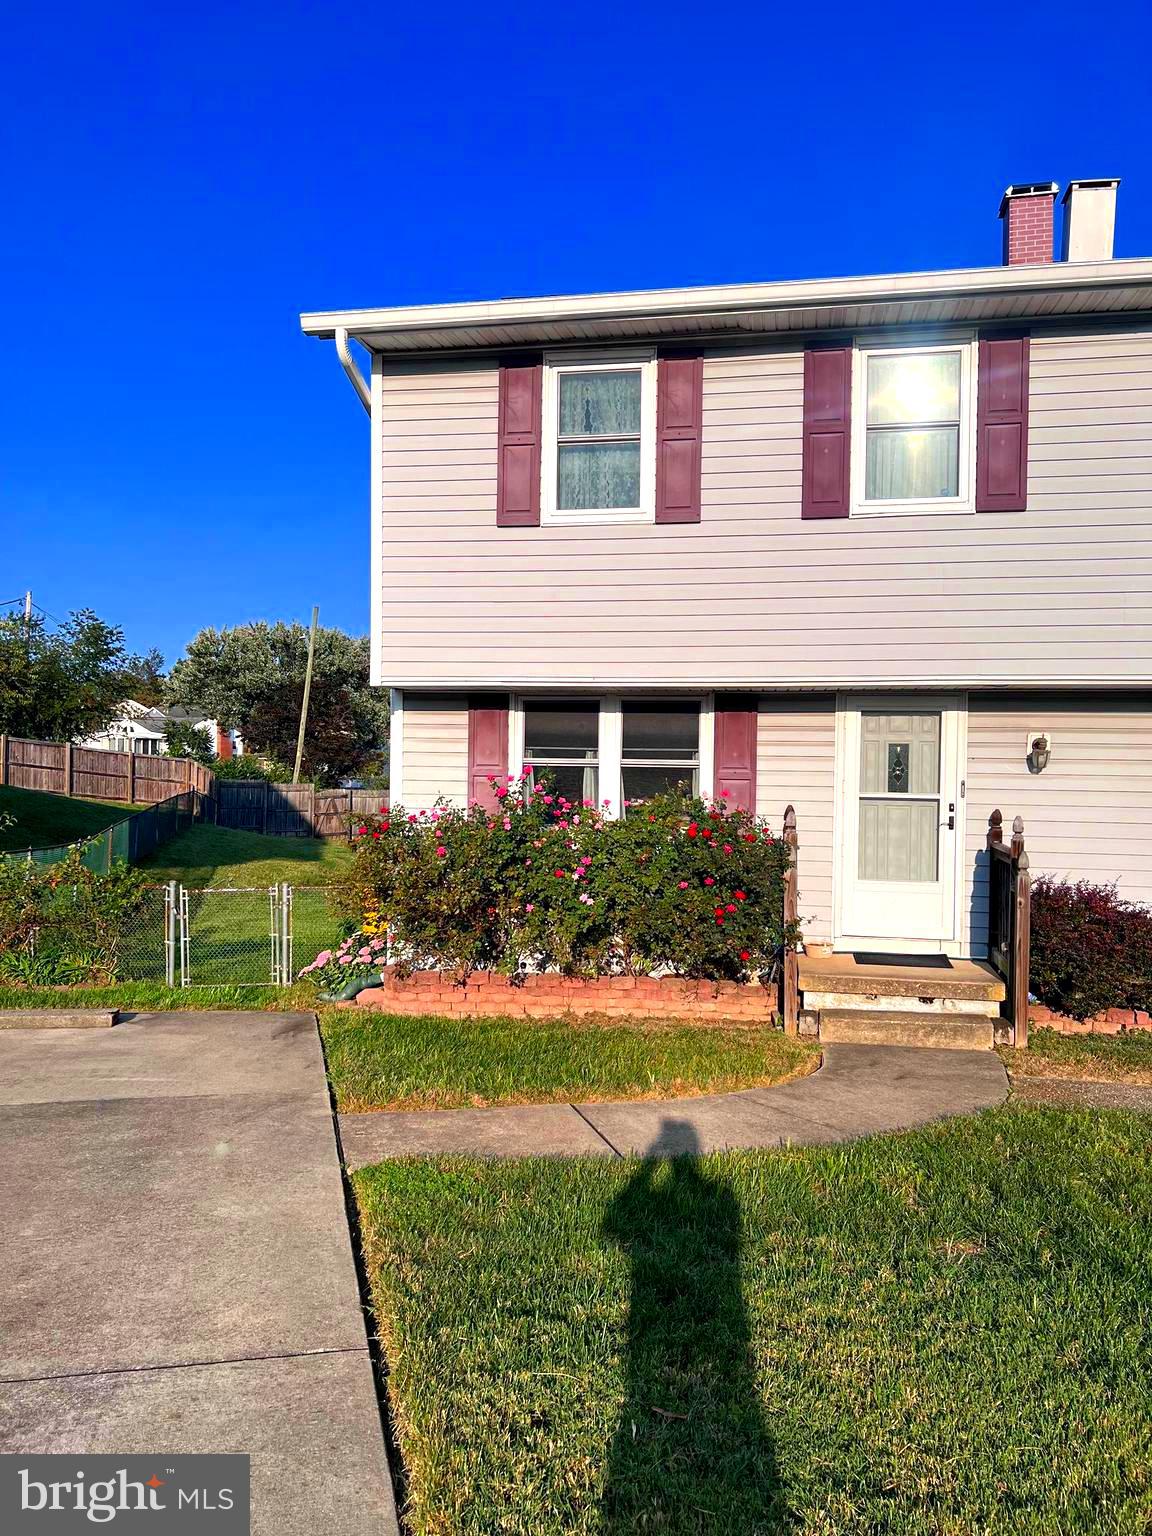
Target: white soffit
[984,294]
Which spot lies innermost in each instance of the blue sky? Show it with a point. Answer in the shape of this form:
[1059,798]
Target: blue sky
[181,182]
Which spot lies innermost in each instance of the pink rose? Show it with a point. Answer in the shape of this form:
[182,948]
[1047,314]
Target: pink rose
[440,852]
[683,885]
[529,906]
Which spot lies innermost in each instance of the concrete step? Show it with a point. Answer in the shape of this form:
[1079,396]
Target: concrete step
[877,1026]
[837,983]
[57,1018]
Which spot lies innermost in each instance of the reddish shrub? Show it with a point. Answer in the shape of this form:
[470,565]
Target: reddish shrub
[1091,951]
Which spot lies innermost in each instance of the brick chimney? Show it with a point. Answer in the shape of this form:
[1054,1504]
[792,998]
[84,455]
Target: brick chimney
[1028,211]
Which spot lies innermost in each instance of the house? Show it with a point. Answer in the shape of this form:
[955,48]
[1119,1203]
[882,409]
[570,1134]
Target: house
[879,547]
[141,728]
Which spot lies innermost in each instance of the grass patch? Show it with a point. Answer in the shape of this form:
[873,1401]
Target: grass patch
[43,820]
[392,1061]
[155,997]
[939,1333]
[1091,1058]
[207,856]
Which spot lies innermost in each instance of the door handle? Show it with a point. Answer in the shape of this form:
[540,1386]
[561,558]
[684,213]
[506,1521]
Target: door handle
[951,817]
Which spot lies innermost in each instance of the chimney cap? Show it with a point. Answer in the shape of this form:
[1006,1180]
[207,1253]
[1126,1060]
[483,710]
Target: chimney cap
[1028,189]
[1097,182]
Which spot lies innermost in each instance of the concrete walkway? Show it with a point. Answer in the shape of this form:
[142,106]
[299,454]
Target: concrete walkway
[859,1090]
[177,1271]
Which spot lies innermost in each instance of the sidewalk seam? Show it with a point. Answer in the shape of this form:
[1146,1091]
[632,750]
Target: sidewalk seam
[182,1365]
[596,1131]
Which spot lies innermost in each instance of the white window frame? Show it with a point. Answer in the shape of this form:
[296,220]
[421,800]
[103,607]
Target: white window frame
[611,739]
[965,499]
[616,360]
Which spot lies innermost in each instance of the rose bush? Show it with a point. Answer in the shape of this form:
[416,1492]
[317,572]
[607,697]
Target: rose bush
[678,884]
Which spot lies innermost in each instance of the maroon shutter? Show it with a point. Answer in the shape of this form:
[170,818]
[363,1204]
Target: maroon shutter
[1002,424]
[827,431]
[735,766]
[518,465]
[679,430]
[487,746]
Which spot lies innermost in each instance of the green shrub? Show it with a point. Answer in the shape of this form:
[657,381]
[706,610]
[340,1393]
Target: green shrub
[1090,950]
[64,922]
[678,885]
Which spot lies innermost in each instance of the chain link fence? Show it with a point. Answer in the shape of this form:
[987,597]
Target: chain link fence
[225,935]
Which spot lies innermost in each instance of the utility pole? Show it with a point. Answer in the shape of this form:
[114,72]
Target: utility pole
[307,691]
[27,618]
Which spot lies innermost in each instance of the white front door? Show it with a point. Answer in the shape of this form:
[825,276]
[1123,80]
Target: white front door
[900,822]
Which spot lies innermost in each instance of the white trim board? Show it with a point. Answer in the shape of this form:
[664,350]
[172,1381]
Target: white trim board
[569,682]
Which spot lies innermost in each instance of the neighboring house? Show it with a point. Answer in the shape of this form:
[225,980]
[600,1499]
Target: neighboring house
[877,546]
[141,728]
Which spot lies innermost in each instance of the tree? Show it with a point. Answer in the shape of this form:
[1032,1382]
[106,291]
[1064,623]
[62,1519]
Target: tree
[143,678]
[183,739]
[251,679]
[61,683]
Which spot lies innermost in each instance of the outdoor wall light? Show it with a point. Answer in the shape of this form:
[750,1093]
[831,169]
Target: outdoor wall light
[1039,751]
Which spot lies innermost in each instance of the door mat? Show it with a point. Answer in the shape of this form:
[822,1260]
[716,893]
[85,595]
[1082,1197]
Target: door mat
[917,962]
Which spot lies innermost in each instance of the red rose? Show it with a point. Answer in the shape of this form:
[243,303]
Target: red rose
[739,895]
[692,830]
[731,907]
[707,832]
[744,955]
[559,874]
[719,922]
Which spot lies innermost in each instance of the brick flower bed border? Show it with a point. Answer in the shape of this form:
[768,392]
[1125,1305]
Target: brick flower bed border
[1113,1022]
[487,994]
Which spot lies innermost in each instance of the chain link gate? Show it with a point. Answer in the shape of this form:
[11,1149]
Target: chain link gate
[241,935]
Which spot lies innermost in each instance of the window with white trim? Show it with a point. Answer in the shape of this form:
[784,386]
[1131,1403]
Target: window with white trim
[659,749]
[599,448]
[913,429]
[610,750]
[562,746]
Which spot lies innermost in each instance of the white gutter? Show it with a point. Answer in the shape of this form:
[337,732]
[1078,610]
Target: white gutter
[805,294]
[348,363]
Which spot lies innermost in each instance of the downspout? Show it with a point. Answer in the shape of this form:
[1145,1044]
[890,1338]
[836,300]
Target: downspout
[348,363]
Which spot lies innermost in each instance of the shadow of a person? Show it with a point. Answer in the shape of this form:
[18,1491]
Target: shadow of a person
[691,1452]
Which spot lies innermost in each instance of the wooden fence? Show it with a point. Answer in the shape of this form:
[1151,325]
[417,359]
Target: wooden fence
[250,805]
[59,768]
[290,810]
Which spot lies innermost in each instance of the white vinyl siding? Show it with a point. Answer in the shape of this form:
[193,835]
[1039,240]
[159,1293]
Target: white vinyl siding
[796,765]
[1087,816]
[752,594]
[435,752]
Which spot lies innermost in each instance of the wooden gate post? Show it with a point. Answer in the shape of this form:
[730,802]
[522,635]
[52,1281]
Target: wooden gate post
[67,767]
[3,757]
[131,778]
[791,965]
[1022,944]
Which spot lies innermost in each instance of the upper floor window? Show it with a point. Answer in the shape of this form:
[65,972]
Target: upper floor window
[913,433]
[599,439]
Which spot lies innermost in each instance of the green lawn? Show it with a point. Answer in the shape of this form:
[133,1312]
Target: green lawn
[940,1333]
[155,997]
[1115,1058]
[207,855]
[42,821]
[388,1061]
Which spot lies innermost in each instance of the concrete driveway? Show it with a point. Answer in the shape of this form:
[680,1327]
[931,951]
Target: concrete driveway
[177,1271]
